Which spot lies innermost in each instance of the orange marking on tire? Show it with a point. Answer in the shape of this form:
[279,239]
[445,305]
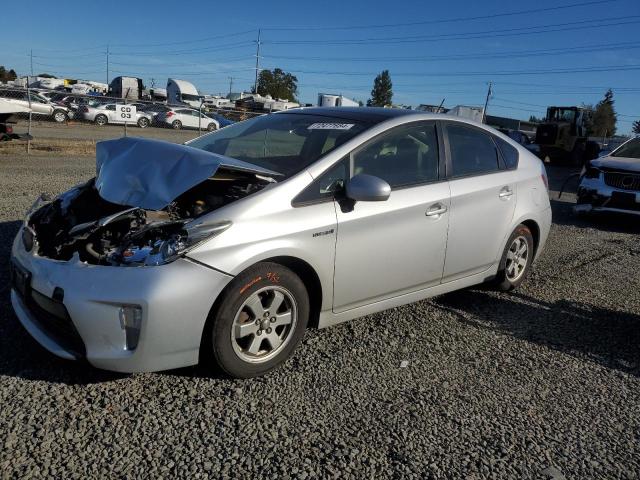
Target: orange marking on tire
[252,282]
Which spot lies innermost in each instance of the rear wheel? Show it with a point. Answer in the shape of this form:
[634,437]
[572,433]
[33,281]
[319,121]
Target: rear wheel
[143,122]
[211,127]
[516,259]
[261,318]
[101,120]
[176,125]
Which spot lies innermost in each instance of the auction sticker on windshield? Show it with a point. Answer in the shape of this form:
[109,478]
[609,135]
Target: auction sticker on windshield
[330,126]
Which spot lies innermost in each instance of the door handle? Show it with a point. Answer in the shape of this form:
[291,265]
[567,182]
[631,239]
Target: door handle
[506,192]
[435,210]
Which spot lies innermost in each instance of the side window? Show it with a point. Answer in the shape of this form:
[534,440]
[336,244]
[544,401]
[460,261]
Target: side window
[326,185]
[509,154]
[472,151]
[406,156]
[110,107]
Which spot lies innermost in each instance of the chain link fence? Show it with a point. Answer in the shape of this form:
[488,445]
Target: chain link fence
[56,121]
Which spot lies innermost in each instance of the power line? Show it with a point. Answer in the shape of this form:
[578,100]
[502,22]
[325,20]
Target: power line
[227,46]
[597,68]
[444,20]
[567,26]
[205,39]
[467,56]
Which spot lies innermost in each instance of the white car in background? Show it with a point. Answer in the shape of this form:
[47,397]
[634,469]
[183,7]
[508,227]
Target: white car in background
[39,105]
[178,118]
[103,114]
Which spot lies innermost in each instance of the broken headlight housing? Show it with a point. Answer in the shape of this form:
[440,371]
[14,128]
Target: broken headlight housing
[165,250]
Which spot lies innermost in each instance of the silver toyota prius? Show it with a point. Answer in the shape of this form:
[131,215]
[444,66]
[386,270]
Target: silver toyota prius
[224,250]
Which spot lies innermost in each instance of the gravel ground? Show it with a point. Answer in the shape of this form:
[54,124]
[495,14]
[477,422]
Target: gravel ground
[541,383]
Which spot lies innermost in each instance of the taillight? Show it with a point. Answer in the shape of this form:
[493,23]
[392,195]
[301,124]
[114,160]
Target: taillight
[9,130]
[169,114]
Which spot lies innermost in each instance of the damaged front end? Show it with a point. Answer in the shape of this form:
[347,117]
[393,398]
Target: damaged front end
[140,210]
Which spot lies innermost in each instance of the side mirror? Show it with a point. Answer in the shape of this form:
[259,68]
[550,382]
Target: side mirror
[367,188]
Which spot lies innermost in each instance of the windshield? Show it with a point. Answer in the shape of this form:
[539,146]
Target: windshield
[561,115]
[285,143]
[631,149]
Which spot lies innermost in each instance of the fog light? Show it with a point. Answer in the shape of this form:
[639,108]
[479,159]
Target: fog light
[131,321]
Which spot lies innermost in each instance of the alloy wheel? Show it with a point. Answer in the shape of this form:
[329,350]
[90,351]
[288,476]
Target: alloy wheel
[517,258]
[264,324]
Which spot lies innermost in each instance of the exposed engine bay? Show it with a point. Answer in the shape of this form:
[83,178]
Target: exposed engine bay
[100,232]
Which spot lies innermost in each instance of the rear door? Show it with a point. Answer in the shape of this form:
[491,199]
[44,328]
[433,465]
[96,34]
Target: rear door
[385,249]
[483,199]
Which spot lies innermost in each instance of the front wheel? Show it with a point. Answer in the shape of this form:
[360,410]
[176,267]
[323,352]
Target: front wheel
[260,320]
[516,259]
[143,122]
[211,127]
[60,116]
[101,120]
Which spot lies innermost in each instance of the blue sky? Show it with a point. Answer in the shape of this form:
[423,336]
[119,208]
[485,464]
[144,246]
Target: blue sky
[560,52]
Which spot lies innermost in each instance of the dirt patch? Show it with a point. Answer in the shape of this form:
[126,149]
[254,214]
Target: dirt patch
[52,146]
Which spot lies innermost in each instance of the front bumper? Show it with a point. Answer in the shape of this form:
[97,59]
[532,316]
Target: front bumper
[175,298]
[594,195]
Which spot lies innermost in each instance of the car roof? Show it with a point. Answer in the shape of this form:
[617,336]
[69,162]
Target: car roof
[366,114]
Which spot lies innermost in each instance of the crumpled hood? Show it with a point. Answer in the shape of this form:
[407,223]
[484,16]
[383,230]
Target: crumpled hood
[150,174]
[618,163]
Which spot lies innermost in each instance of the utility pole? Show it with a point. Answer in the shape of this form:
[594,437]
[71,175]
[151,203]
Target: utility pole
[255,87]
[31,59]
[107,66]
[486,103]
[230,84]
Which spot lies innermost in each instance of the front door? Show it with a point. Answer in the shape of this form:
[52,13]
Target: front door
[385,249]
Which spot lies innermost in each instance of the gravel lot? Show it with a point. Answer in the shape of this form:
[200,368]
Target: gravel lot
[89,131]
[542,383]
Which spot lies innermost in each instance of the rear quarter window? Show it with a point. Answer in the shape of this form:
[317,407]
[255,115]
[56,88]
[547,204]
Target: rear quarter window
[509,154]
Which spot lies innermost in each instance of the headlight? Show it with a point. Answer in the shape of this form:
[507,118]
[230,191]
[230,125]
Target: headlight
[592,172]
[168,250]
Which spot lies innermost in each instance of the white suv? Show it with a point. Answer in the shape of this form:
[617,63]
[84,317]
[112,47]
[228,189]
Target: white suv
[187,118]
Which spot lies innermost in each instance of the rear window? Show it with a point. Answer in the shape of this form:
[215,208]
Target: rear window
[285,143]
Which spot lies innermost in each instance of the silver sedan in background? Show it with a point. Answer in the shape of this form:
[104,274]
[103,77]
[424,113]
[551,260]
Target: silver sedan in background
[226,249]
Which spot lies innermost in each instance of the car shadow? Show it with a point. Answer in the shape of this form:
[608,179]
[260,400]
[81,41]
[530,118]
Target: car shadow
[607,337]
[20,355]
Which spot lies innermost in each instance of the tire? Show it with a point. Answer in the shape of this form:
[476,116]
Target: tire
[101,120]
[60,116]
[143,122]
[212,127]
[247,301]
[507,277]
[176,125]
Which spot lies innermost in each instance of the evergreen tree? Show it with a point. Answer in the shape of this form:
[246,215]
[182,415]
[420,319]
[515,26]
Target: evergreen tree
[604,117]
[636,127]
[382,90]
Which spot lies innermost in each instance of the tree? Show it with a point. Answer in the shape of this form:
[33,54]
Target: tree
[382,90]
[278,84]
[636,127]
[604,116]
[6,76]
[534,119]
